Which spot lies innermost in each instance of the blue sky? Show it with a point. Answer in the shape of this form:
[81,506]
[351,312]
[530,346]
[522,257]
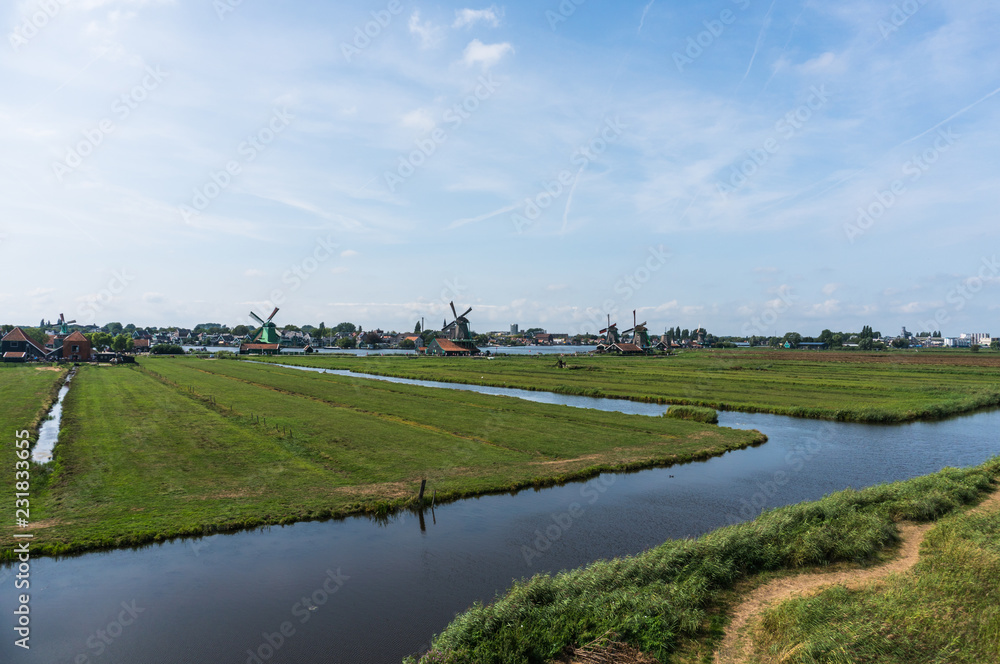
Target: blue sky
[750,167]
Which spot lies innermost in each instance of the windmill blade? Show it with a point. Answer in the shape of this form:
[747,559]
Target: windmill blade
[70,322]
[453,309]
[466,311]
[257,318]
[628,330]
[272,314]
[62,319]
[602,331]
[641,325]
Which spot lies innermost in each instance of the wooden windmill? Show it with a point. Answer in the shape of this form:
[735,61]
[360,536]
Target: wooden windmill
[268,332]
[640,336]
[610,334]
[459,331]
[64,325]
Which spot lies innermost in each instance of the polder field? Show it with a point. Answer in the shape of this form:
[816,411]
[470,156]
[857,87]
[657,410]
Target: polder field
[837,385]
[180,446]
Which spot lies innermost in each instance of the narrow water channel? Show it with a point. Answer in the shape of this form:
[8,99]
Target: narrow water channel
[222,598]
[48,433]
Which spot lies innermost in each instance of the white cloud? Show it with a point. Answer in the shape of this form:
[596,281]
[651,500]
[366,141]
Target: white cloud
[465,17]
[419,119]
[430,34]
[830,289]
[153,298]
[348,253]
[252,272]
[486,55]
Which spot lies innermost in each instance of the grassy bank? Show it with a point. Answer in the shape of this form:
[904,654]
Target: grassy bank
[186,446]
[947,610]
[860,387]
[667,601]
[693,413]
[27,394]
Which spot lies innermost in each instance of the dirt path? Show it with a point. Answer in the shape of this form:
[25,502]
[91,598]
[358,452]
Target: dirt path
[735,646]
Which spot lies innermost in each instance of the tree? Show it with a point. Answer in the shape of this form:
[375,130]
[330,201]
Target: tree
[321,331]
[345,328]
[166,349]
[99,340]
[686,334]
[407,344]
[416,328]
[36,334]
[241,330]
[122,343]
[371,338]
[900,342]
[114,328]
[995,344]
[347,342]
[974,348]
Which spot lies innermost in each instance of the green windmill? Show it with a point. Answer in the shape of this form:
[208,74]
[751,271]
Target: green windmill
[268,333]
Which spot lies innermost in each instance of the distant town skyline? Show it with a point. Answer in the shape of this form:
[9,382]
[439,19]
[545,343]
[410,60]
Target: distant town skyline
[750,168]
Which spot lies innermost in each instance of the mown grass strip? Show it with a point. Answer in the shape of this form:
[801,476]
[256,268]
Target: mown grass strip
[183,446]
[883,388]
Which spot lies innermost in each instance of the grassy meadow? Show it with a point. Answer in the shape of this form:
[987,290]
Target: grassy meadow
[27,393]
[848,386]
[947,610]
[186,446]
[670,601]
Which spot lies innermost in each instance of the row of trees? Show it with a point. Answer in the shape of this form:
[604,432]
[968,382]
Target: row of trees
[120,343]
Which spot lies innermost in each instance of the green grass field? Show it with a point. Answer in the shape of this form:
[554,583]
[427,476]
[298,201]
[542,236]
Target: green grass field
[670,602]
[947,610]
[847,386]
[26,393]
[169,448]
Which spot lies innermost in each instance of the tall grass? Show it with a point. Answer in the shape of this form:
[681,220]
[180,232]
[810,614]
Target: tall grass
[947,610]
[694,413]
[659,600]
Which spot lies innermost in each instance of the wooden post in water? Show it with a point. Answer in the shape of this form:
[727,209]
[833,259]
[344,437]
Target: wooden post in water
[420,498]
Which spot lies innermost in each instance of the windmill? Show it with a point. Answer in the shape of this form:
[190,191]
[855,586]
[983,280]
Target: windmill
[458,329]
[268,333]
[640,337]
[64,325]
[610,332]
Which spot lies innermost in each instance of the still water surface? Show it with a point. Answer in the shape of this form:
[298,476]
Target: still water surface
[214,599]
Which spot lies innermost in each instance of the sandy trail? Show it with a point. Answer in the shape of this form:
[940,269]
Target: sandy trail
[736,646]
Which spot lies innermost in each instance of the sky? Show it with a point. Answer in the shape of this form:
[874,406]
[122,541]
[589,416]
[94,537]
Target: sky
[746,166]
